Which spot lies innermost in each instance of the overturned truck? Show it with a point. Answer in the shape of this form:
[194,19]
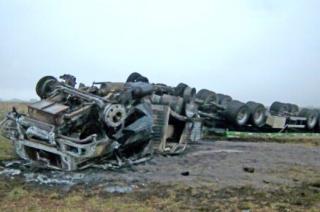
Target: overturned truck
[75,128]
[110,124]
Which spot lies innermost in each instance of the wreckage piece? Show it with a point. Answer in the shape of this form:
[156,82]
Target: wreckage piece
[179,99]
[176,123]
[71,129]
[172,132]
[175,116]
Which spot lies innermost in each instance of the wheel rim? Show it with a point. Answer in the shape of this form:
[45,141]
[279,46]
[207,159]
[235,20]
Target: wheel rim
[242,117]
[312,121]
[258,117]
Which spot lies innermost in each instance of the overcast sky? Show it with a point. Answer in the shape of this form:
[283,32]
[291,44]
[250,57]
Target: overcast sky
[261,50]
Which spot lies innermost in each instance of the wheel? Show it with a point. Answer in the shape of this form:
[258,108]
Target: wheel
[179,90]
[142,79]
[224,99]
[237,113]
[312,117]
[136,77]
[186,92]
[293,109]
[207,96]
[202,93]
[133,76]
[45,86]
[257,114]
[279,108]
[189,94]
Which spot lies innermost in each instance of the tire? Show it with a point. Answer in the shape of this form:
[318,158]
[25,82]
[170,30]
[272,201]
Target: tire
[142,79]
[133,76]
[189,94]
[293,109]
[279,108]
[224,99]
[202,93]
[136,77]
[179,90]
[258,115]
[44,86]
[207,96]
[237,113]
[312,117]
[186,92]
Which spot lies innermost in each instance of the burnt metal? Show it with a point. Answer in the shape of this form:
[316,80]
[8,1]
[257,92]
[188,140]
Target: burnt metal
[74,128]
[71,128]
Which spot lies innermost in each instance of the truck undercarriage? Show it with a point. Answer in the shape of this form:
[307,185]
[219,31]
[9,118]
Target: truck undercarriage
[74,128]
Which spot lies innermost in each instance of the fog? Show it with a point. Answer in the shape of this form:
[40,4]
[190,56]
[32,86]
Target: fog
[261,50]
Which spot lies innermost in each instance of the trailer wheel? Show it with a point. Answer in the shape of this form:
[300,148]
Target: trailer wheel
[136,77]
[179,90]
[279,108]
[257,114]
[293,109]
[186,92]
[224,99]
[237,113]
[45,86]
[312,117]
[207,96]
[202,93]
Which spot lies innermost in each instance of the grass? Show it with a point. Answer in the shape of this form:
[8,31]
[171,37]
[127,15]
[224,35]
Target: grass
[312,139]
[16,196]
[6,149]
[7,106]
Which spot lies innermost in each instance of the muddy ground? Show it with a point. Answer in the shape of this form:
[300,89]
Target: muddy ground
[209,176]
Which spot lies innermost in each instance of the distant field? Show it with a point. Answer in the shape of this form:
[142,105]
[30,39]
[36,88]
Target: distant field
[7,106]
[6,150]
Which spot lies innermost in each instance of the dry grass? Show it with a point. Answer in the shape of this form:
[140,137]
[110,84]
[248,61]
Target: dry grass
[159,197]
[7,106]
[6,149]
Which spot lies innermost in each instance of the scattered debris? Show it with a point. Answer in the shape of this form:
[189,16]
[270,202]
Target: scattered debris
[119,189]
[266,181]
[249,169]
[10,172]
[186,173]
